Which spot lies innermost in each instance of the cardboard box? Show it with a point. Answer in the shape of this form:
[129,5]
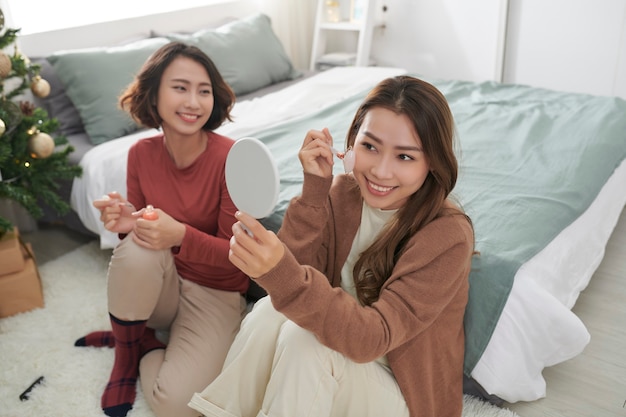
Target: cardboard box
[21,291]
[11,259]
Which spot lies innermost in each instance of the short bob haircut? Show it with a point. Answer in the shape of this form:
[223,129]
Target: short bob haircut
[140,97]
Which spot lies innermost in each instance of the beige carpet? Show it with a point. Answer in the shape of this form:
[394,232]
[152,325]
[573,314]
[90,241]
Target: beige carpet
[41,343]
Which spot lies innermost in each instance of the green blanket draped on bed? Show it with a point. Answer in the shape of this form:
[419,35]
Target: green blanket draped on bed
[531,161]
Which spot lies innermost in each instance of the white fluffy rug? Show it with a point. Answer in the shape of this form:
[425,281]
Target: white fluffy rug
[41,343]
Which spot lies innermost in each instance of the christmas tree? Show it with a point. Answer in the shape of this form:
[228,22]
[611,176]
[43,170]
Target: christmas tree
[32,162]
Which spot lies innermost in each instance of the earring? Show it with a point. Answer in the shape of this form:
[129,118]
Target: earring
[348,160]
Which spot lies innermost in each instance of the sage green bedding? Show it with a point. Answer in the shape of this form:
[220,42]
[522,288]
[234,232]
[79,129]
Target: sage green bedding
[531,161]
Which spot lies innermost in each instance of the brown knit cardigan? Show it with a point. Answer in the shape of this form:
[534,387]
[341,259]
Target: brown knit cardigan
[417,320]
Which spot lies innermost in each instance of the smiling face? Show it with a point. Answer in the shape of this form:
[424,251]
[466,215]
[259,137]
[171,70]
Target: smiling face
[390,162]
[185,99]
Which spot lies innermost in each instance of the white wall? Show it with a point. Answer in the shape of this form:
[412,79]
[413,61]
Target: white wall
[33,16]
[449,39]
[570,45]
[444,38]
[111,33]
[285,20]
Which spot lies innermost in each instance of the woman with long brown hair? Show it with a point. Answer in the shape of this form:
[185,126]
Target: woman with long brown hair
[367,280]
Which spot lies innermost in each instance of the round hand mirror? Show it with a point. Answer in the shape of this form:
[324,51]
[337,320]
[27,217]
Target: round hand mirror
[252,177]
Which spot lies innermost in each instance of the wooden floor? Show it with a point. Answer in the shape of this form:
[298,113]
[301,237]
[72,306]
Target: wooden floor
[592,384]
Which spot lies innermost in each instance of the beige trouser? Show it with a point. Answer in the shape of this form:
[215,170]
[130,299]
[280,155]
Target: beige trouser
[202,323]
[275,368]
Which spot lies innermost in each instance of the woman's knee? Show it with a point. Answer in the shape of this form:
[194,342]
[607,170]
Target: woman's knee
[295,340]
[129,254]
[263,317]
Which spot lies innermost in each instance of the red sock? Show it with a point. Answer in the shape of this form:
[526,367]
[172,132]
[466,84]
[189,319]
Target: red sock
[97,339]
[119,395]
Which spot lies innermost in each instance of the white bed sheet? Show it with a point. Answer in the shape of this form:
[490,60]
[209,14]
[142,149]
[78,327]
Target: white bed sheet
[537,327]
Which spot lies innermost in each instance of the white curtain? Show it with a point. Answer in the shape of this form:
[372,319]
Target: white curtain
[293,22]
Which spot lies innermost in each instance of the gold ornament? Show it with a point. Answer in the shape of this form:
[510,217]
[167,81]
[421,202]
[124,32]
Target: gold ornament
[5,65]
[41,145]
[40,87]
[3,127]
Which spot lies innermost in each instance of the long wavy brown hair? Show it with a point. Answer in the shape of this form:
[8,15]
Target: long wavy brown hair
[140,97]
[432,119]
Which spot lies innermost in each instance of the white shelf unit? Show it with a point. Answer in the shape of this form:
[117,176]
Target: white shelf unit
[364,28]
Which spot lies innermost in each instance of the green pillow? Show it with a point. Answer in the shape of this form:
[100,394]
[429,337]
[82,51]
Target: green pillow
[246,52]
[95,77]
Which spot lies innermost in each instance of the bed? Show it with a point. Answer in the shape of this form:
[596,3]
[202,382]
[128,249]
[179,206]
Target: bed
[542,175]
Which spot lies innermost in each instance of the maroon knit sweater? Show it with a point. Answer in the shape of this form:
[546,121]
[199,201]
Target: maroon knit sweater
[197,196]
